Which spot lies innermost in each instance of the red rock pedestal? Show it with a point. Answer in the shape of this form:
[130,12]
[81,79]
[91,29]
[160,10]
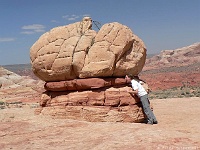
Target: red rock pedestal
[109,103]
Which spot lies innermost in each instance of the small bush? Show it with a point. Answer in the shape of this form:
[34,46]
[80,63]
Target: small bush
[176,92]
[187,92]
[2,103]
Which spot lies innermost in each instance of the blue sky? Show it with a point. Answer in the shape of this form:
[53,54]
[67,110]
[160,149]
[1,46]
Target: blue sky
[161,24]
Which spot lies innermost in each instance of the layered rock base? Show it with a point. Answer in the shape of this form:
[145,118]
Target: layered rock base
[93,99]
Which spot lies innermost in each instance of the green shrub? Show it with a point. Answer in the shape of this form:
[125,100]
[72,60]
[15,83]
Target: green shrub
[187,92]
[2,103]
[176,92]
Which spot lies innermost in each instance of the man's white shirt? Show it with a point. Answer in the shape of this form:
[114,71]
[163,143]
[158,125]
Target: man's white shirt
[137,86]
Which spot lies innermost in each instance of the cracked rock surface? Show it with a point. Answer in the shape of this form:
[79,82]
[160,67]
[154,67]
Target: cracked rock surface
[76,51]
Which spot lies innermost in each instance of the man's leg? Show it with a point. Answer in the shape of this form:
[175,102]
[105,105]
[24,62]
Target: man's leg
[148,112]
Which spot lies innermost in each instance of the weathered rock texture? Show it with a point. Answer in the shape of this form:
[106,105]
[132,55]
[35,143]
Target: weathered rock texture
[10,80]
[88,84]
[105,104]
[92,99]
[84,84]
[20,129]
[77,51]
[188,55]
[82,70]
[16,90]
[174,68]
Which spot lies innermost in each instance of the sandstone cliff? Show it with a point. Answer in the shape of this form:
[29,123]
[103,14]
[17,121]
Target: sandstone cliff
[16,88]
[174,68]
[179,57]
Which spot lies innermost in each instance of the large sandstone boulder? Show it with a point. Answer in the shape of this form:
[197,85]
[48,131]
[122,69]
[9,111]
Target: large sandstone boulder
[77,51]
[84,72]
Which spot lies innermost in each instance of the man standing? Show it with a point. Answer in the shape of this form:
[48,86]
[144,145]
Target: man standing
[143,95]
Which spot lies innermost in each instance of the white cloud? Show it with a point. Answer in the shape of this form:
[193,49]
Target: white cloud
[27,32]
[54,21]
[34,28]
[70,17]
[86,15]
[40,30]
[65,17]
[7,39]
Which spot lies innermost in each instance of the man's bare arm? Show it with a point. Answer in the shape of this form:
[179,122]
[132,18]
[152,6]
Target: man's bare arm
[133,91]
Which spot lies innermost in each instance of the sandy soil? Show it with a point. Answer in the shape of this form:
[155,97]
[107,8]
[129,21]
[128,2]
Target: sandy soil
[178,128]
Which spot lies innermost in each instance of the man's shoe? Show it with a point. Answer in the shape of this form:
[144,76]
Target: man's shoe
[149,122]
[155,122]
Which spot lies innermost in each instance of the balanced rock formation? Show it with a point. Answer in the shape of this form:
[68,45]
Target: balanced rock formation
[77,51]
[84,72]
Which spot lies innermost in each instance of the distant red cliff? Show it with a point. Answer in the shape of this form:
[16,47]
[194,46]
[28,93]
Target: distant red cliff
[173,68]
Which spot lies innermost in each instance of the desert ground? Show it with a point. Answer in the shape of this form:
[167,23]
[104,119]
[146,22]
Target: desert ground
[178,128]
[174,73]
